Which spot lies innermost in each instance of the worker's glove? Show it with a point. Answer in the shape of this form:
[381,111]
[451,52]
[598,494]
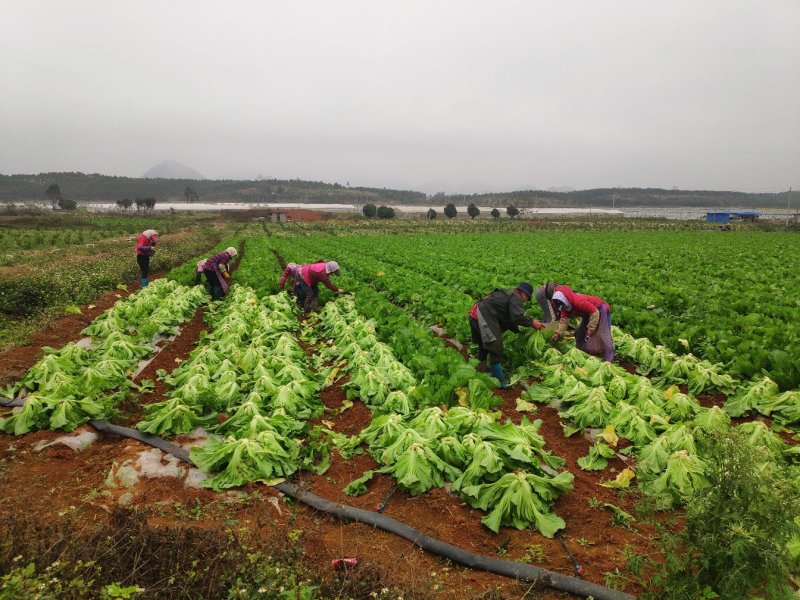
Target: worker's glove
[226,275]
[556,336]
[537,324]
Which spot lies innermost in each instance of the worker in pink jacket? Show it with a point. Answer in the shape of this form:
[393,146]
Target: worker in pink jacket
[291,272]
[308,283]
[145,248]
[593,335]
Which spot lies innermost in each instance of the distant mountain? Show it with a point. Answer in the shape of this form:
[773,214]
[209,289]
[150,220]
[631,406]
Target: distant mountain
[172,169]
[561,188]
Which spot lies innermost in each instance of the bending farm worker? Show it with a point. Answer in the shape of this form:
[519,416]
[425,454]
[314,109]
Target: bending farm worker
[502,310]
[217,272]
[308,283]
[544,295]
[198,274]
[145,248]
[292,270]
[593,335]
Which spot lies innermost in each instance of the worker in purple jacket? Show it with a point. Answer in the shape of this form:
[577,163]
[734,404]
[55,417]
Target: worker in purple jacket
[308,283]
[218,273]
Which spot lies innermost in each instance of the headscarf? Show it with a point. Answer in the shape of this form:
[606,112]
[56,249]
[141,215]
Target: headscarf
[562,299]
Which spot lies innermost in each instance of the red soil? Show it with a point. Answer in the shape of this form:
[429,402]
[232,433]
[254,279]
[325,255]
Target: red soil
[59,480]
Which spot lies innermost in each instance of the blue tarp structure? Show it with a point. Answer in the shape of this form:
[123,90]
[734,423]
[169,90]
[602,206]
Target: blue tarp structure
[727,215]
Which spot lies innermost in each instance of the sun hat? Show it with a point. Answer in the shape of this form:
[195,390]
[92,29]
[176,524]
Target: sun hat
[526,289]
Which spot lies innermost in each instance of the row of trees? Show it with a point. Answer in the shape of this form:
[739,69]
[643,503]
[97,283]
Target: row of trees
[382,212]
[450,211]
[146,203]
[57,200]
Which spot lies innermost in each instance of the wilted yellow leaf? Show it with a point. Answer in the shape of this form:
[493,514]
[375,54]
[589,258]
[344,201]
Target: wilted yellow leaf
[623,480]
[525,406]
[331,376]
[462,394]
[670,391]
[610,436]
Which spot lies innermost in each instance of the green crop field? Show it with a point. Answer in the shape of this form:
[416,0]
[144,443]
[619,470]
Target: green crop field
[695,424]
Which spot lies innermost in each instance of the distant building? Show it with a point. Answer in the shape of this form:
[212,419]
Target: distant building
[732,215]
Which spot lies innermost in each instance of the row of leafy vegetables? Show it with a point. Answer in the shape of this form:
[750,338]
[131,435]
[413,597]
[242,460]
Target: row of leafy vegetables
[669,431]
[84,381]
[501,468]
[648,408]
[690,292]
[433,420]
[443,295]
[251,368]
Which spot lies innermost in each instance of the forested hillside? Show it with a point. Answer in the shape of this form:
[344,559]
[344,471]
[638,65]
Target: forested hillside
[106,188]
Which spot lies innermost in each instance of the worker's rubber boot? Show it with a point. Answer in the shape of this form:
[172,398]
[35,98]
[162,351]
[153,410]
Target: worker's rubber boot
[143,282]
[497,373]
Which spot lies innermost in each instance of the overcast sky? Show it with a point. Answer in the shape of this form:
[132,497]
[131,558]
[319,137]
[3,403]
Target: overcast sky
[457,96]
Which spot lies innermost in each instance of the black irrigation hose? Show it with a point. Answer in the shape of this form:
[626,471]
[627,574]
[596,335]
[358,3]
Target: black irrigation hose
[517,570]
[12,402]
[145,438]
[475,561]
[575,563]
[380,507]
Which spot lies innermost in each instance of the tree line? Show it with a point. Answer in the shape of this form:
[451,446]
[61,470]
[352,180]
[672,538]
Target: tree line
[450,211]
[81,187]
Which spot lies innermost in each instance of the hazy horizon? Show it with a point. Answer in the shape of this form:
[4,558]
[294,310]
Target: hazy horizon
[460,97]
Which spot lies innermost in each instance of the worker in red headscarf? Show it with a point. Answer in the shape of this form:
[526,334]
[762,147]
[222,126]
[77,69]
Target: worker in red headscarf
[593,335]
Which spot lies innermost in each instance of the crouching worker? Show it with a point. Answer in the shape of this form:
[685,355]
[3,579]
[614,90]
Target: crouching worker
[593,335]
[217,272]
[308,283]
[502,310]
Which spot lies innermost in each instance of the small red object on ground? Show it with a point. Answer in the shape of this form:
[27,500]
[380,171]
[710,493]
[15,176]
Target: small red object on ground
[341,563]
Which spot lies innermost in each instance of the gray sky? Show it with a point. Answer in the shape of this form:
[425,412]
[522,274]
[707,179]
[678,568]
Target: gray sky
[457,96]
